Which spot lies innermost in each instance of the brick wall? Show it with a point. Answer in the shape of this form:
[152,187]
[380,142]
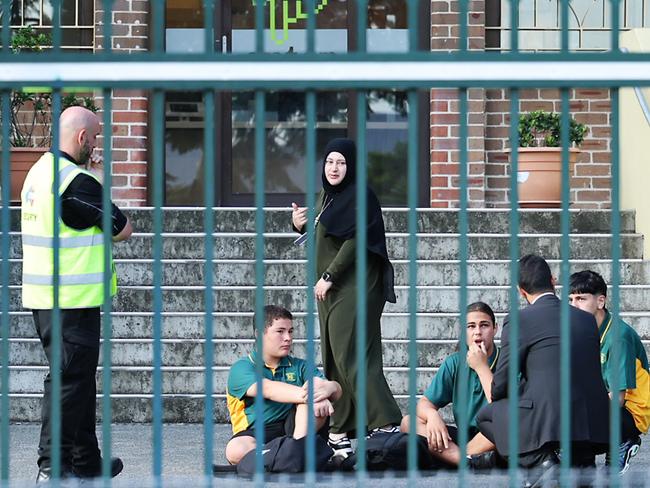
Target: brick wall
[444,112]
[130,129]
[590,184]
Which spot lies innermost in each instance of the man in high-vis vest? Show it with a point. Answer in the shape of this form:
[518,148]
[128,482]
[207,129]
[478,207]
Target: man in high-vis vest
[80,286]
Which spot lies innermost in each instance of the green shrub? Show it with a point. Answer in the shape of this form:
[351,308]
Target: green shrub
[541,128]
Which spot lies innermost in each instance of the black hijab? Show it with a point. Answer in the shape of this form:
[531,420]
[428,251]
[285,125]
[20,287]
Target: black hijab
[340,216]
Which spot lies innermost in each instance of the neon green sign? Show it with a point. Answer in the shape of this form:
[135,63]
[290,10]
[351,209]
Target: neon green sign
[287,18]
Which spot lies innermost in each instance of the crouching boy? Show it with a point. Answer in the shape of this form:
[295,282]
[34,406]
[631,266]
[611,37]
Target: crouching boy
[284,389]
[588,292]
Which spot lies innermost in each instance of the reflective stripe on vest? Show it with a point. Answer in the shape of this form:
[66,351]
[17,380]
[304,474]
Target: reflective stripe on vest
[63,174]
[78,279]
[64,242]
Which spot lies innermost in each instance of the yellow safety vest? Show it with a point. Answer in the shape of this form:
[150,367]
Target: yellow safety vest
[81,252]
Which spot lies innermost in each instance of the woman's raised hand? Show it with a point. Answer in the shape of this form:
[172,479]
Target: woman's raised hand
[298,216]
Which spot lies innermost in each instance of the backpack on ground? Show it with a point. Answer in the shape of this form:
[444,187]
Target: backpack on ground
[389,451]
[286,455]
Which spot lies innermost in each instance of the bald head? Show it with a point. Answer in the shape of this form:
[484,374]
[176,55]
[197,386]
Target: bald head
[79,128]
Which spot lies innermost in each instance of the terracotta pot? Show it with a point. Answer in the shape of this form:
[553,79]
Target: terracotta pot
[22,159]
[540,176]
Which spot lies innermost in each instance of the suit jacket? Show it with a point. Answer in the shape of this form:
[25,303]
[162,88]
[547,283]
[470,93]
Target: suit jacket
[539,384]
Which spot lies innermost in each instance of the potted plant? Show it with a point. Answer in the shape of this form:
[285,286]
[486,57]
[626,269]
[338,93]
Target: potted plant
[539,173]
[31,114]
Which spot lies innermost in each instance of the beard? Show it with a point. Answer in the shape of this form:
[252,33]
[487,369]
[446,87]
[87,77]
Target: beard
[84,154]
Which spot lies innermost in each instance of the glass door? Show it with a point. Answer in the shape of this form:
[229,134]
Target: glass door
[285,118]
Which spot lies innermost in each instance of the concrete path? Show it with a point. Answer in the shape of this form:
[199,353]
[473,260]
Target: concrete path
[183,453]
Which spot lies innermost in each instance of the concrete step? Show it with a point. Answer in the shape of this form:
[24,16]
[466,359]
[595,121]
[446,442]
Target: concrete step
[187,219]
[139,408]
[191,272]
[229,325]
[183,380]
[124,352]
[28,352]
[429,246]
[633,298]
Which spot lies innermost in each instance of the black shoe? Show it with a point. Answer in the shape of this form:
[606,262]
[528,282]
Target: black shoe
[481,462]
[45,475]
[545,473]
[116,468]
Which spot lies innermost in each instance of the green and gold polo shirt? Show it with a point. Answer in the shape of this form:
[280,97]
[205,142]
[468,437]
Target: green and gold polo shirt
[631,370]
[292,371]
[445,387]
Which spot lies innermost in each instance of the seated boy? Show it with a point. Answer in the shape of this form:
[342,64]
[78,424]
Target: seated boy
[482,355]
[284,390]
[588,292]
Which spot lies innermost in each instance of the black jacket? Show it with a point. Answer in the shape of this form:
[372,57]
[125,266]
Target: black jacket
[539,386]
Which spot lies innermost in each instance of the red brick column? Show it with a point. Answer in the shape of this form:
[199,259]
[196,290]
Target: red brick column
[444,111]
[130,118]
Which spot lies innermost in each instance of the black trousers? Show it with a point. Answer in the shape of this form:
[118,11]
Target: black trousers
[629,430]
[583,454]
[79,447]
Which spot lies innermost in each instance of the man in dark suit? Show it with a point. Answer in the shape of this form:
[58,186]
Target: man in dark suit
[539,383]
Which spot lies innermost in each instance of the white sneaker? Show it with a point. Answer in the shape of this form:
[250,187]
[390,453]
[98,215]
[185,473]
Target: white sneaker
[342,447]
[391,429]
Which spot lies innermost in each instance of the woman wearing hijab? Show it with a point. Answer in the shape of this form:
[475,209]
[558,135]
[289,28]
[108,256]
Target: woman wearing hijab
[336,295]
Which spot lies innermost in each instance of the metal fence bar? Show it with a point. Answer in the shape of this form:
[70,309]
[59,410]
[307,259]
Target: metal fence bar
[158,198]
[412,186]
[209,151]
[564,22]
[615,351]
[260,135]
[362,22]
[107,131]
[463,6]
[362,286]
[5,229]
[158,105]
[361,255]
[296,74]
[6,29]
[463,230]
[513,322]
[565,325]
[514,31]
[106,226]
[57,341]
[56,25]
[259,26]
[310,279]
[412,200]
[311,26]
[107,29]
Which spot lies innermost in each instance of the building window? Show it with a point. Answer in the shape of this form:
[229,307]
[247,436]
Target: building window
[590,23]
[285,119]
[77,20]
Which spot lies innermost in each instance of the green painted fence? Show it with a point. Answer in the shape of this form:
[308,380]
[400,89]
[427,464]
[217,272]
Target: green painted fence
[212,72]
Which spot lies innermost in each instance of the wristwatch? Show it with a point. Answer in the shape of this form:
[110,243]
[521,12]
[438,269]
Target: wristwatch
[326,276]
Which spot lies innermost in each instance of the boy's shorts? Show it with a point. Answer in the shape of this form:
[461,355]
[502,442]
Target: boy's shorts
[281,428]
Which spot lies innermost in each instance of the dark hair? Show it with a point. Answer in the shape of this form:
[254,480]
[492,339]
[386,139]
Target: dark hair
[483,308]
[271,313]
[534,274]
[587,281]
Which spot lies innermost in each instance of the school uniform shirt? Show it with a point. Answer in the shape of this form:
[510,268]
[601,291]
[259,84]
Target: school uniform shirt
[291,370]
[632,367]
[445,387]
